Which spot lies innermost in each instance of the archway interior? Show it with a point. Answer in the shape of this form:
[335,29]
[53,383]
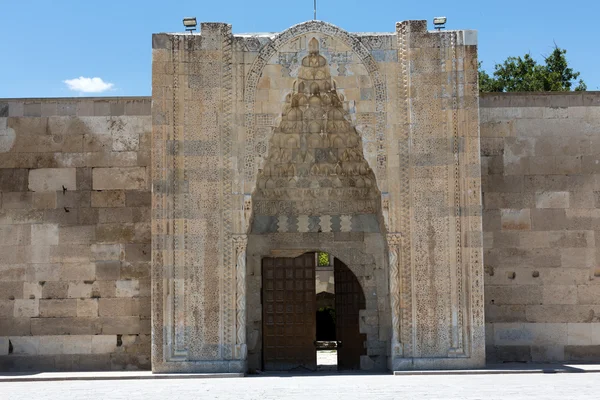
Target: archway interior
[316,190]
[326,340]
[291,315]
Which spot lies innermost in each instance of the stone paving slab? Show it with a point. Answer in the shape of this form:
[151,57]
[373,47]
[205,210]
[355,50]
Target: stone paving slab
[512,368]
[103,375]
[516,368]
[323,387]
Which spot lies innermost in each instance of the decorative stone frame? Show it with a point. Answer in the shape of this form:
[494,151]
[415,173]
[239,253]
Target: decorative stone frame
[203,69]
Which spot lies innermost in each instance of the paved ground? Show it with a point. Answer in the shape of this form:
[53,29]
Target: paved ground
[320,387]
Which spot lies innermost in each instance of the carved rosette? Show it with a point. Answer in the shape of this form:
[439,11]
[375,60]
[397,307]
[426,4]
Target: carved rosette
[394,248]
[239,243]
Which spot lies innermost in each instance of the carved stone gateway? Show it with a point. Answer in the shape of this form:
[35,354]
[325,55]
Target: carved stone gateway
[314,139]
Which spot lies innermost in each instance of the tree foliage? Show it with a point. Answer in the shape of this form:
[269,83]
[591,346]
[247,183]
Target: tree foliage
[323,259]
[524,74]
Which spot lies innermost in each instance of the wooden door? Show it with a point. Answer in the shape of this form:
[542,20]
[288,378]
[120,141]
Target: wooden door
[349,299]
[289,313]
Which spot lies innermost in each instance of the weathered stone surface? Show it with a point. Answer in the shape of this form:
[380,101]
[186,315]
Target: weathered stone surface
[52,179]
[542,278]
[58,308]
[132,178]
[108,198]
[53,269]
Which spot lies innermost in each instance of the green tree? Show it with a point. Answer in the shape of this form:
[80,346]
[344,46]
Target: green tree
[524,74]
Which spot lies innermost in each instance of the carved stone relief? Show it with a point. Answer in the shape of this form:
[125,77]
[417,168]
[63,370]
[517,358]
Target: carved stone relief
[315,159]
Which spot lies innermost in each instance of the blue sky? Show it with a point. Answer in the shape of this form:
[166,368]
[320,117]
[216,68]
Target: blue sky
[47,42]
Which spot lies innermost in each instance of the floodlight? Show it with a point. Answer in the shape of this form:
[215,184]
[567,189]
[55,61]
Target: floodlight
[439,22]
[189,23]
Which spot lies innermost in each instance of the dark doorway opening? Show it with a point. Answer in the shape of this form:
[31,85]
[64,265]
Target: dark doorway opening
[325,322]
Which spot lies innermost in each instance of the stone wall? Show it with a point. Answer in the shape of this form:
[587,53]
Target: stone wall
[540,156]
[74,234]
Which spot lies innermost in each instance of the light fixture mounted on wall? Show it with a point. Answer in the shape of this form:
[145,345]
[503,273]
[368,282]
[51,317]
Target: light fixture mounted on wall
[439,23]
[190,24]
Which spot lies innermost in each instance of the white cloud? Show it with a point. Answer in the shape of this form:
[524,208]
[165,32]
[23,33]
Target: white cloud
[88,85]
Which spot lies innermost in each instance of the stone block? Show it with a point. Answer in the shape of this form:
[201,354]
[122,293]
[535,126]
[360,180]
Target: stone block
[87,216]
[101,108]
[102,289]
[14,179]
[108,270]
[538,334]
[84,178]
[514,295]
[25,308]
[12,200]
[51,345]
[559,294]
[123,233]
[25,345]
[62,216]
[55,290]
[124,325]
[58,308]
[548,219]
[77,234]
[97,142]
[14,272]
[108,198]
[515,219]
[118,307]
[43,200]
[137,198]
[504,313]
[15,235]
[558,313]
[131,178]
[7,308]
[52,179]
[137,252]
[79,290]
[578,257]
[44,234]
[548,353]
[4,346]
[79,199]
[135,270]
[125,141]
[87,307]
[588,294]
[579,334]
[94,362]
[107,252]
[552,200]
[582,353]
[11,290]
[129,288]
[78,272]
[103,344]
[70,253]
[65,326]
[16,326]
[124,361]
[112,215]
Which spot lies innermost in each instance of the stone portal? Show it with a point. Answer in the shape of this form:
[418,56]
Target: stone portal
[364,146]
